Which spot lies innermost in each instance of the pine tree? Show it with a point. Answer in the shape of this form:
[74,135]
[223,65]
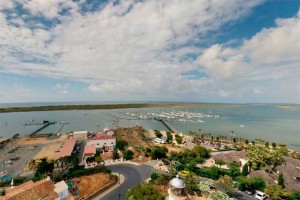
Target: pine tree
[245,170]
[281,180]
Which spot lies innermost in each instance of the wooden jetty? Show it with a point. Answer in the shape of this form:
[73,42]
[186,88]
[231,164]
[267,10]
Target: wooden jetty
[168,125]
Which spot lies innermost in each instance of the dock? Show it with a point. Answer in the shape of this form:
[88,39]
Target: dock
[168,125]
[41,128]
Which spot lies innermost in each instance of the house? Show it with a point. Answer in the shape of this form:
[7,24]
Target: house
[230,157]
[61,188]
[102,140]
[89,151]
[291,173]
[80,135]
[264,175]
[109,131]
[44,189]
[67,149]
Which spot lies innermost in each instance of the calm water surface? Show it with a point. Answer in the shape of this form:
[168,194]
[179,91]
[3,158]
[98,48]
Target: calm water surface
[268,122]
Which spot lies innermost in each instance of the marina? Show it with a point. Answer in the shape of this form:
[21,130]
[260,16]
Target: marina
[248,121]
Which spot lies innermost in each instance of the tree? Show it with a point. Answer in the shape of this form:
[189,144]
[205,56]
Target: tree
[246,142]
[68,161]
[226,183]
[281,180]
[274,145]
[220,162]
[159,152]
[178,139]
[144,192]
[158,134]
[128,154]
[169,137]
[44,168]
[234,170]
[90,159]
[234,140]
[115,155]
[267,144]
[258,183]
[245,170]
[244,183]
[98,159]
[276,192]
[295,195]
[121,145]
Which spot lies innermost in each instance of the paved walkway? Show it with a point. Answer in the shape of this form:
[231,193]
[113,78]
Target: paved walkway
[106,192]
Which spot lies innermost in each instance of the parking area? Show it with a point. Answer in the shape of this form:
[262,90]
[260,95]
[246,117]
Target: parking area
[13,158]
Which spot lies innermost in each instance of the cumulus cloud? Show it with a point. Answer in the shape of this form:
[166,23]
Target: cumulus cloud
[141,48]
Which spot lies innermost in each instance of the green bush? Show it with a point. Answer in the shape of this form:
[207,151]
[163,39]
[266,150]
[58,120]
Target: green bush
[144,192]
[154,176]
[159,152]
[128,154]
[121,145]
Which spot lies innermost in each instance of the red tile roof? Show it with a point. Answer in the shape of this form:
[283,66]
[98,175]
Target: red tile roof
[43,189]
[89,150]
[67,148]
[102,136]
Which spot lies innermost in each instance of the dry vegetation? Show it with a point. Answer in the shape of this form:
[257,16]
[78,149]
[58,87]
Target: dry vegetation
[90,184]
[134,136]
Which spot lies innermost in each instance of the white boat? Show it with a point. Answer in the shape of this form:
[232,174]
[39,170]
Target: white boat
[242,126]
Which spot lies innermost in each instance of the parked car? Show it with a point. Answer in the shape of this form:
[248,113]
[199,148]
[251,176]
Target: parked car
[260,195]
[250,191]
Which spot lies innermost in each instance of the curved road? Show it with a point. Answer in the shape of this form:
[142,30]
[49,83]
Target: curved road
[133,174]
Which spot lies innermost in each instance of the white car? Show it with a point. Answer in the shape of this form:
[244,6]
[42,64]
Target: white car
[260,195]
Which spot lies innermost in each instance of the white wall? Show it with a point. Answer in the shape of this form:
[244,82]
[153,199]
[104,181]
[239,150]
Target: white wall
[63,194]
[101,143]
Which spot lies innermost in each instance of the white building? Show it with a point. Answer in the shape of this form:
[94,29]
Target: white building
[61,188]
[102,140]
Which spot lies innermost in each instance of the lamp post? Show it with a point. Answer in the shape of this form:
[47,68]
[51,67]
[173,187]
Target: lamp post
[119,178]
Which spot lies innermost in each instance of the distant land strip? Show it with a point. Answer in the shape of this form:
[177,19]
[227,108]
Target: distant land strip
[105,106]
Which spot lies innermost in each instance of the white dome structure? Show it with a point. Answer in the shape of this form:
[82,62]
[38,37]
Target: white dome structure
[177,190]
[177,183]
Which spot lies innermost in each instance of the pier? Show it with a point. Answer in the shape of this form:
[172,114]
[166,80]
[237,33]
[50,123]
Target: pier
[168,125]
[41,128]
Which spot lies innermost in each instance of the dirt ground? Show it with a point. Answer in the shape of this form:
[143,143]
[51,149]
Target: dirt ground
[37,141]
[90,184]
[135,136]
[48,151]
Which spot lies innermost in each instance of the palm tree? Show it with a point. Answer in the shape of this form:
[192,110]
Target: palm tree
[32,164]
[231,135]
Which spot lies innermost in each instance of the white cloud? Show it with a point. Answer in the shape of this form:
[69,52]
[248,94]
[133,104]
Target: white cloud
[142,48]
[62,88]
[48,8]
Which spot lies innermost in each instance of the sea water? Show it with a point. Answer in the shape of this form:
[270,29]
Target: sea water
[273,123]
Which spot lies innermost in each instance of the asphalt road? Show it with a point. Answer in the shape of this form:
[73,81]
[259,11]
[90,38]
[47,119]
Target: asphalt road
[134,174]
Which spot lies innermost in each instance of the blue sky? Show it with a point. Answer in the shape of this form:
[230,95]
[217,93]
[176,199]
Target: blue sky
[154,50]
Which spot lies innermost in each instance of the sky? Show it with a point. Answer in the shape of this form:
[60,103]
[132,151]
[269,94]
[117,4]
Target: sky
[228,51]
